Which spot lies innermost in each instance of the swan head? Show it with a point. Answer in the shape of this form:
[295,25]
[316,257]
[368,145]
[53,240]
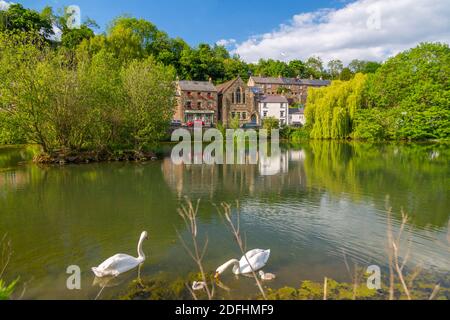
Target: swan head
[144,235]
[225,266]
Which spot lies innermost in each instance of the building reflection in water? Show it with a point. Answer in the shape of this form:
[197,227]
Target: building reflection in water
[272,173]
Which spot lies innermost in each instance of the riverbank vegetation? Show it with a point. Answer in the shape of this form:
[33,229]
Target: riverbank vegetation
[407,98]
[76,91]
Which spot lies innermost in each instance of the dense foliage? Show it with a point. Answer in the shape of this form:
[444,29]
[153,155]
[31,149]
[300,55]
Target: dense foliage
[330,111]
[79,89]
[66,100]
[408,97]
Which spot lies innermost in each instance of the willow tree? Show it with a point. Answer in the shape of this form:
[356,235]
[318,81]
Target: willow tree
[330,110]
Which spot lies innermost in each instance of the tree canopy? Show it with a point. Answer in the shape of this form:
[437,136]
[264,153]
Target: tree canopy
[408,97]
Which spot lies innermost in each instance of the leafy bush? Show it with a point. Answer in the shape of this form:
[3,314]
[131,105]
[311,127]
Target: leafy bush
[299,135]
[271,123]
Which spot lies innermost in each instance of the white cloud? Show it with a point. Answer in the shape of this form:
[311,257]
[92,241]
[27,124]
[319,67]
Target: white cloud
[4,5]
[363,29]
[226,42]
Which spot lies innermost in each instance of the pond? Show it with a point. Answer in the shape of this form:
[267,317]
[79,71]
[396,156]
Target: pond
[312,204]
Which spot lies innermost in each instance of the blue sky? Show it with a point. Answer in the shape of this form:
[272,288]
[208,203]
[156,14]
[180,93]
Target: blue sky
[284,29]
[196,20]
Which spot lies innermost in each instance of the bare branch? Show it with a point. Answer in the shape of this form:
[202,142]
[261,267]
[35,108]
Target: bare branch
[235,230]
[435,292]
[189,214]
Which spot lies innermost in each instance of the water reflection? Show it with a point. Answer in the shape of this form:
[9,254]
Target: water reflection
[308,203]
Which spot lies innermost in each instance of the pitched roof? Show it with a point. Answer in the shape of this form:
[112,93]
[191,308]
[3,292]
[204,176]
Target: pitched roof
[274,99]
[186,85]
[296,110]
[225,86]
[291,81]
[268,80]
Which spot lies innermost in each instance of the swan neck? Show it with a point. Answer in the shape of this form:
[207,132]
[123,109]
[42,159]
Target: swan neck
[226,265]
[141,254]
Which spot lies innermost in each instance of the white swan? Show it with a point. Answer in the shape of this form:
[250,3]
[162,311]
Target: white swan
[256,259]
[198,285]
[121,263]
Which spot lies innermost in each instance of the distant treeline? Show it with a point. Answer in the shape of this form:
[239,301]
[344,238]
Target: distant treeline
[130,38]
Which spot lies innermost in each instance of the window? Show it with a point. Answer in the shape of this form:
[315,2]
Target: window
[244,115]
[233,114]
[188,104]
[199,104]
[282,114]
[238,95]
[265,114]
[232,98]
[243,97]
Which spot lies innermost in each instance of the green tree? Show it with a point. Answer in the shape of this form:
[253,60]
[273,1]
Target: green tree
[19,19]
[362,66]
[149,101]
[335,68]
[414,89]
[346,74]
[330,111]
[297,68]
[314,67]
[271,123]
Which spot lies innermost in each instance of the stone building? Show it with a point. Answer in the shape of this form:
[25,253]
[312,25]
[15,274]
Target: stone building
[196,100]
[236,99]
[295,89]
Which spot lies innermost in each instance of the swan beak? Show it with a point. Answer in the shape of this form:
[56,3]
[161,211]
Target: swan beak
[216,276]
[146,237]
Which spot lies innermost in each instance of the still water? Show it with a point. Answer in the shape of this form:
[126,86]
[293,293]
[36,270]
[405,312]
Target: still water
[310,205]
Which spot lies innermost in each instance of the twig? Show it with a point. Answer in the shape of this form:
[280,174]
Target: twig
[235,229]
[189,214]
[390,251]
[435,292]
[6,252]
[399,272]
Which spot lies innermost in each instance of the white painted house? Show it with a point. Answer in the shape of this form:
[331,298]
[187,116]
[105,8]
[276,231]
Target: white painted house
[274,106]
[297,117]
